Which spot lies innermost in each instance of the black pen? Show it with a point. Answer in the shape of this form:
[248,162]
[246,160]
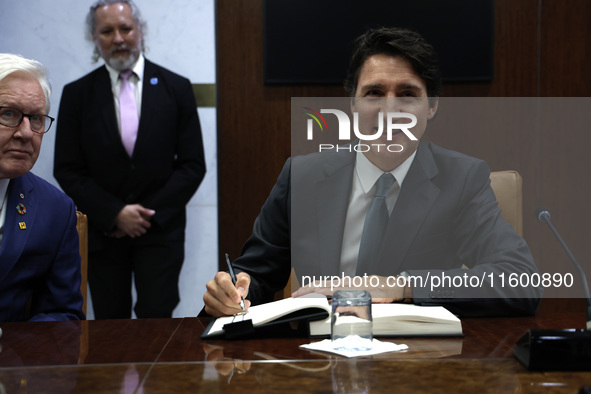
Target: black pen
[231,269]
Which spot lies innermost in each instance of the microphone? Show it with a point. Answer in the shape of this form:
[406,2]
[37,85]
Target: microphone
[543,216]
[566,349]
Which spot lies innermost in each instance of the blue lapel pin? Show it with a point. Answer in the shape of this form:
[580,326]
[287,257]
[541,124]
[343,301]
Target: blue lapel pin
[154,81]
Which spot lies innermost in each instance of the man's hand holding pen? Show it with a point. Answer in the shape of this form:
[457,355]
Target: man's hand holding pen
[223,296]
[233,276]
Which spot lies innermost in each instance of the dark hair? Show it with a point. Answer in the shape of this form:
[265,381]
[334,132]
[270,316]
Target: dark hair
[396,42]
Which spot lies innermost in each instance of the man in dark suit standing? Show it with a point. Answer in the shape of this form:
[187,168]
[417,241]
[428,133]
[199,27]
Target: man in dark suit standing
[39,255]
[400,220]
[129,152]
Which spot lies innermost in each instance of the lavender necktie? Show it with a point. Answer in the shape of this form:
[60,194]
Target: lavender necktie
[375,223]
[128,112]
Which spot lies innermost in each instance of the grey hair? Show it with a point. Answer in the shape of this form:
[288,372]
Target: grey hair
[91,22]
[10,63]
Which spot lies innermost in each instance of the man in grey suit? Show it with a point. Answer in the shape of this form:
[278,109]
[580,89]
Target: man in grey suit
[129,152]
[442,218]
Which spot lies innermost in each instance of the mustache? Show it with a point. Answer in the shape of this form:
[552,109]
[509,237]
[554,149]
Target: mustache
[120,48]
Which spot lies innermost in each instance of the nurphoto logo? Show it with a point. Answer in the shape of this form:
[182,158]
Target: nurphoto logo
[365,140]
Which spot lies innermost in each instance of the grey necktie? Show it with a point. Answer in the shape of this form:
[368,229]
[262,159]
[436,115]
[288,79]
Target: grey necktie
[375,223]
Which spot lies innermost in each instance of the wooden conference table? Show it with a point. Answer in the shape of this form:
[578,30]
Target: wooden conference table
[168,356]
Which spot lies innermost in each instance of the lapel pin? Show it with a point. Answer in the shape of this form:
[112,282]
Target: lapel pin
[22,225]
[154,81]
[21,209]
[22,196]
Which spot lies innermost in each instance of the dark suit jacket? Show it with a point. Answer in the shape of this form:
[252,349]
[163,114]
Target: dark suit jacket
[168,162]
[39,263]
[446,216]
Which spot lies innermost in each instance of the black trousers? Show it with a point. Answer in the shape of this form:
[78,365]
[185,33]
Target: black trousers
[155,267]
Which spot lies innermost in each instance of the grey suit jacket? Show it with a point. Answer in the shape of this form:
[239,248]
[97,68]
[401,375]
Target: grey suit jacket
[446,217]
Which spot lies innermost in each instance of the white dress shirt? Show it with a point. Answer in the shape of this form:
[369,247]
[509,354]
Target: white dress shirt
[363,189]
[3,197]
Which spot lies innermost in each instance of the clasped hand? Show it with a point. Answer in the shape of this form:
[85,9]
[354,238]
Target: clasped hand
[133,221]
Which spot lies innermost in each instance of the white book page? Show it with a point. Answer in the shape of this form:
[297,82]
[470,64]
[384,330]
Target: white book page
[404,319]
[260,314]
[416,312]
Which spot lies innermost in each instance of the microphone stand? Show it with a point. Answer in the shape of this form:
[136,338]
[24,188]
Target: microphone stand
[567,349]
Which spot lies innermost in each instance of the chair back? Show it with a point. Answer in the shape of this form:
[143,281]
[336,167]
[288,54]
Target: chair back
[82,227]
[508,186]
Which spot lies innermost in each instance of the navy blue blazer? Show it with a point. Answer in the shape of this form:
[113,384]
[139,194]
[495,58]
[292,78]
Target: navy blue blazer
[39,255]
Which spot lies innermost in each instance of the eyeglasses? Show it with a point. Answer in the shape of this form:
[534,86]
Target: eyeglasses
[12,117]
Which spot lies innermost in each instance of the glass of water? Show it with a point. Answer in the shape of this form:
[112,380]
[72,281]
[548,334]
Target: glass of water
[351,321]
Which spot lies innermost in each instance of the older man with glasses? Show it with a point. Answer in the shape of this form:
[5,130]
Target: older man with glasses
[39,258]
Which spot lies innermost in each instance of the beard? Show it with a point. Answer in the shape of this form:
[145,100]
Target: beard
[121,62]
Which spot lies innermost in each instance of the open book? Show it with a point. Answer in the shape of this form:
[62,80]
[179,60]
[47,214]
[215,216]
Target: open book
[277,312]
[394,320]
[388,319]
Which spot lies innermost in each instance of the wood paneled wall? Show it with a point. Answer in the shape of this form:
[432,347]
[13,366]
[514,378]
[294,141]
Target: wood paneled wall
[542,49]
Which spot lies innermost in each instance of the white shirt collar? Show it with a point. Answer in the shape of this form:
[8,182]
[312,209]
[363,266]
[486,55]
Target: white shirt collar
[3,197]
[3,189]
[368,173]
